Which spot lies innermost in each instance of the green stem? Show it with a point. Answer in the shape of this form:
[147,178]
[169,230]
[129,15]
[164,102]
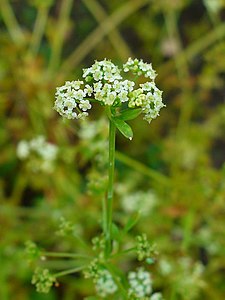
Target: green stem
[61,254]
[109,199]
[38,31]
[70,271]
[58,40]
[123,252]
[11,23]
[181,64]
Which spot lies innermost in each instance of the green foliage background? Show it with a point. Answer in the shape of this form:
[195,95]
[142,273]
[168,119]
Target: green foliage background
[180,156]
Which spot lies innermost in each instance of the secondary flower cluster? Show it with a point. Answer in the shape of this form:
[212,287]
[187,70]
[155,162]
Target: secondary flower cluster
[103,280]
[32,252]
[102,82]
[39,153]
[105,284]
[43,280]
[140,283]
[144,249]
[140,201]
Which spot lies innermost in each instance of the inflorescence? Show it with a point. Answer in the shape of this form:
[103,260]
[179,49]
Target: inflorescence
[43,280]
[140,283]
[103,83]
[39,154]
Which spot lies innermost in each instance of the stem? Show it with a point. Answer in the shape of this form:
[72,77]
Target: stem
[181,65]
[109,199]
[70,271]
[123,252]
[61,254]
[11,23]
[38,31]
[58,40]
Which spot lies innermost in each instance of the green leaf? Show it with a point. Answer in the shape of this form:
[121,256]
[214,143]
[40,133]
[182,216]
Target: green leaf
[123,127]
[115,232]
[131,222]
[129,114]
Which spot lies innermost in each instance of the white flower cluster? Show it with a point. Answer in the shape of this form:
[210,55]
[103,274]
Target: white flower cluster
[105,284]
[70,99]
[140,283]
[103,82]
[102,70]
[108,93]
[149,98]
[42,153]
[139,201]
[156,296]
[138,67]
[214,6]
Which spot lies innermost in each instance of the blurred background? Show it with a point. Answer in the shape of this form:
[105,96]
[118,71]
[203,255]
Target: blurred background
[173,170]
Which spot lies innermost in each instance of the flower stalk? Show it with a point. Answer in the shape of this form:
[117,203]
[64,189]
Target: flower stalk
[109,198]
[123,100]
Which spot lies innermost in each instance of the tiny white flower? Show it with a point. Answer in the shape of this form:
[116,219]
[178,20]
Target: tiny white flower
[84,105]
[97,86]
[107,88]
[70,103]
[79,94]
[97,75]
[23,150]
[76,84]
[86,72]
[123,96]
[110,98]
[88,90]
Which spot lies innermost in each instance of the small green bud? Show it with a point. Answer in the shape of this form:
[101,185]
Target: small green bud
[65,227]
[93,270]
[144,249]
[88,78]
[32,252]
[43,280]
[98,243]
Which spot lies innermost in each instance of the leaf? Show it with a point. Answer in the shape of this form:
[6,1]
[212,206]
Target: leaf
[130,114]
[123,127]
[115,232]
[131,222]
